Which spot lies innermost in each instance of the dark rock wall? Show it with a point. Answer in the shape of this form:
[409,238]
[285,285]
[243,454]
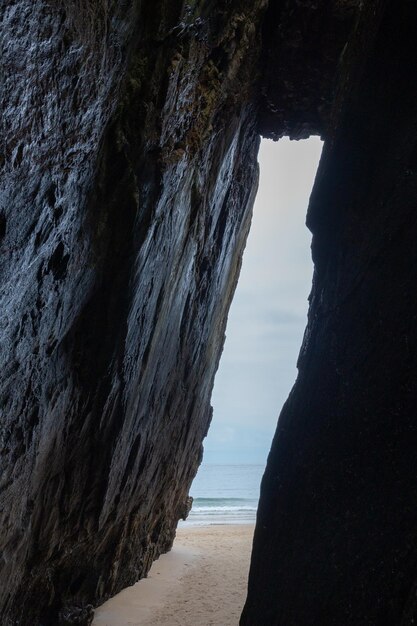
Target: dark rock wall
[127,186]
[336,535]
[302,43]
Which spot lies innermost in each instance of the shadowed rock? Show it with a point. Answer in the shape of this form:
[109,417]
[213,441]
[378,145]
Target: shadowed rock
[335,541]
[76,615]
[130,133]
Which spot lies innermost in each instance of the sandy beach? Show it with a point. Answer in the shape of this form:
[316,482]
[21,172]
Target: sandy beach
[201,582]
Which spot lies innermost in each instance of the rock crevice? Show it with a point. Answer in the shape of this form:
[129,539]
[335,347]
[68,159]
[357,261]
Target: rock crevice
[130,134]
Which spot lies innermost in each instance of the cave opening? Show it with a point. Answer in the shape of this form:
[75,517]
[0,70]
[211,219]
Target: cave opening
[257,370]
[264,333]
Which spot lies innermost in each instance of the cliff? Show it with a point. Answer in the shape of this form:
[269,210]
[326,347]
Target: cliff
[335,540]
[130,133]
[128,180]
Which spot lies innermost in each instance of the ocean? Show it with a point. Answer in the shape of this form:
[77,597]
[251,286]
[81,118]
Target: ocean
[225,494]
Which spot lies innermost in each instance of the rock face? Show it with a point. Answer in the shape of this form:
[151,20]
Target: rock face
[129,175]
[335,541]
[130,136]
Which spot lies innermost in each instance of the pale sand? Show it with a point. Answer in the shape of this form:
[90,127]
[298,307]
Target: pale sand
[201,582]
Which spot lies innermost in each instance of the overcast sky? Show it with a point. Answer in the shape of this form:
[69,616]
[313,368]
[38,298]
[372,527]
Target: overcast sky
[268,314]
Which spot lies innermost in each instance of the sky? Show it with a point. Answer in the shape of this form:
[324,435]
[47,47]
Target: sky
[269,311]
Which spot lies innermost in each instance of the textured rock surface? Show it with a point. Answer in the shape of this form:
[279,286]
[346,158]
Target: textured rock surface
[336,533]
[127,187]
[130,132]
